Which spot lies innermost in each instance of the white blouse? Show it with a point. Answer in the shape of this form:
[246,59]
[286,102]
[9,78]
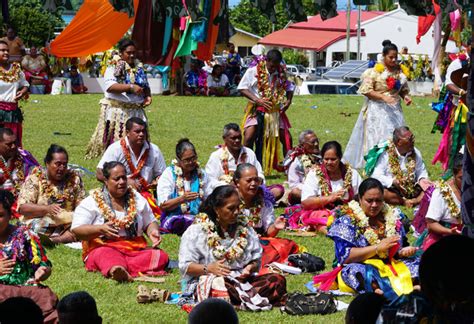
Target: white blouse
[110,80]
[311,186]
[439,210]
[8,90]
[194,249]
[88,213]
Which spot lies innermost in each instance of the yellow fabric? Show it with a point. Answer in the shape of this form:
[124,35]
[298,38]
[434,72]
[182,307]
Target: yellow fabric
[463,110]
[95,28]
[402,283]
[342,285]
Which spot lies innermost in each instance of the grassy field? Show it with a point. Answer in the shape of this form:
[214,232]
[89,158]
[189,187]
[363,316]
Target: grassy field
[201,120]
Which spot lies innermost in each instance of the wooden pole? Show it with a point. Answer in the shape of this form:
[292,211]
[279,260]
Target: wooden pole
[348,31]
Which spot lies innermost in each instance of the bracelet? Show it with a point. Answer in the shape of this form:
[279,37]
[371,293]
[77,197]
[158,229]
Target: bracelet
[205,269]
[461,92]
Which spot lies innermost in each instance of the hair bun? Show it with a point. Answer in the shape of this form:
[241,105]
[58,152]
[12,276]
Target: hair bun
[183,140]
[386,42]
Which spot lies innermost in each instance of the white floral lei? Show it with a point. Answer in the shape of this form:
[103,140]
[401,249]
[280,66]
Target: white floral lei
[180,183]
[231,253]
[306,162]
[391,217]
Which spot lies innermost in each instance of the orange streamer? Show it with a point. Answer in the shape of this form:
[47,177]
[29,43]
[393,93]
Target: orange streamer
[95,28]
[205,50]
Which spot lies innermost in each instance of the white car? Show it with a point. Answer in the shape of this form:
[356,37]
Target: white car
[328,87]
[297,70]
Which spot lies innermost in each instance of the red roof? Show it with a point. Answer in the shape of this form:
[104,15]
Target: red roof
[316,34]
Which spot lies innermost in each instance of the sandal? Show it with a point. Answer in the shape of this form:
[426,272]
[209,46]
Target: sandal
[143,295]
[160,295]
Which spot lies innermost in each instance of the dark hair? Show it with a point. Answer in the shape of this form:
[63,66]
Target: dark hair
[241,168]
[54,149]
[440,264]
[365,308]
[213,310]
[458,163]
[369,183]
[388,46]
[7,200]
[229,127]
[20,310]
[78,307]
[135,120]
[230,44]
[184,144]
[124,43]
[215,67]
[5,131]
[216,199]
[274,56]
[398,132]
[332,145]
[3,42]
[109,166]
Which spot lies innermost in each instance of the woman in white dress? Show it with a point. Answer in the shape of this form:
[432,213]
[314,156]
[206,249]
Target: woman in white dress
[384,86]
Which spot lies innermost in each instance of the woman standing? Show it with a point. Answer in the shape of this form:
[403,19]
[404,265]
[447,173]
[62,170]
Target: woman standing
[111,223]
[258,208]
[326,186]
[383,86]
[368,238]
[128,92]
[220,250]
[13,87]
[49,196]
[181,189]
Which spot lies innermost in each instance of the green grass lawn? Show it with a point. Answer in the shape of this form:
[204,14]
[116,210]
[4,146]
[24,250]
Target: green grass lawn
[201,120]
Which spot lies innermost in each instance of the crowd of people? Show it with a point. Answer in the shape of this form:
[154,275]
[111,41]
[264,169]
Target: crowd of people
[224,213]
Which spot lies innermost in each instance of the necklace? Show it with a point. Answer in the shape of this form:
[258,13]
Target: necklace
[11,75]
[273,91]
[254,213]
[325,181]
[180,183]
[141,163]
[307,161]
[17,164]
[109,215]
[63,193]
[446,191]
[231,253]
[406,179]
[227,176]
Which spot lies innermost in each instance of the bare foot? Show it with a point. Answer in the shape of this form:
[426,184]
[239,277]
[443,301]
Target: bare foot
[378,291]
[120,274]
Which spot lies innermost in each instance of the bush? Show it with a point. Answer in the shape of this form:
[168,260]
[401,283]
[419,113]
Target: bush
[293,57]
[33,25]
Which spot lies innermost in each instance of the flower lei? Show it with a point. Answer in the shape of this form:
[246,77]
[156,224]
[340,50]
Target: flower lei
[354,210]
[406,179]
[445,191]
[122,66]
[109,215]
[180,183]
[254,213]
[394,80]
[64,194]
[325,183]
[141,163]
[240,242]
[227,177]
[272,92]
[11,75]
[307,161]
[8,170]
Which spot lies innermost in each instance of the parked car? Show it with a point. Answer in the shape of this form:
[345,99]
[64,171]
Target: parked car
[328,87]
[317,73]
[297,70]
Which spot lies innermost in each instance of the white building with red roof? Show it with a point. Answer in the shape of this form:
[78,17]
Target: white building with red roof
[325,41]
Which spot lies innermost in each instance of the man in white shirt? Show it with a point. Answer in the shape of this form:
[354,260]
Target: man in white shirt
[299,161]
[270,81]
[402,171]
[143,160]
[222,163]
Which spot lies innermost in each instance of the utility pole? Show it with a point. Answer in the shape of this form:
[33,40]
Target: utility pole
[358,32]
[348,31]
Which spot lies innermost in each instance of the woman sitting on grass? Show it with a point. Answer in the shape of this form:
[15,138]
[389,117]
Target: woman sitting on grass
[23,263]
[111,222]
[327,185]
[222,251]
[258,208]
[49,196]
[181,189]
[368,238]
